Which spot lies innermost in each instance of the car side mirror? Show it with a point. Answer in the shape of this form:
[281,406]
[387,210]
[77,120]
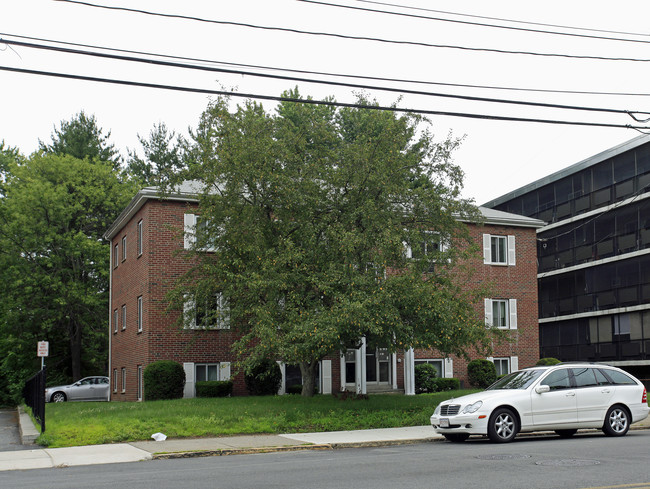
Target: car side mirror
[540,389]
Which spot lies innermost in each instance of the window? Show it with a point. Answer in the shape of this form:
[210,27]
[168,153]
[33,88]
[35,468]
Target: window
[140,314]
[197,228]
[116,317]
[499,250]
[501,313]
[208,371]
[123,380]
[426,247]
[208,313]
[123,248]
[123,317]
[139,238]
[585,377]
[438,364]
[114,380]
[557,380]
[116,255]
[502,366]
[139,382]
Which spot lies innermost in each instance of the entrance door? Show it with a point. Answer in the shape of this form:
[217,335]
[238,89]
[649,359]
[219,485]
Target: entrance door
[378,363]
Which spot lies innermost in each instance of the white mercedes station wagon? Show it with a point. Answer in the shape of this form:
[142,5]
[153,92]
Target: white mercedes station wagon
[562,398]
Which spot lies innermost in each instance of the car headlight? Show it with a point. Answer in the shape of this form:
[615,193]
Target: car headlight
[472,408]
[437,411]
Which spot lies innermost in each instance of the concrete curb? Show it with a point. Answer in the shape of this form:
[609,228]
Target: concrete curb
[237,451]
[28,431]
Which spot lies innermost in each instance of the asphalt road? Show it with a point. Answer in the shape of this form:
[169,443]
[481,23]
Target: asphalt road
[9,434]
[586,461]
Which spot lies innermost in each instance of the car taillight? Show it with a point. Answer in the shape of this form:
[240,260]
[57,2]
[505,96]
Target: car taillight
[645,396]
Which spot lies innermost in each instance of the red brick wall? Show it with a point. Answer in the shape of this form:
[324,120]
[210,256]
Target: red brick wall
[506,282]
[152,274]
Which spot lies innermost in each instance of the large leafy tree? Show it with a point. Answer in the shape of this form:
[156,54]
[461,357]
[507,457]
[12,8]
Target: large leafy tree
[82,137]
[163,157]
[55,266]
[310,212]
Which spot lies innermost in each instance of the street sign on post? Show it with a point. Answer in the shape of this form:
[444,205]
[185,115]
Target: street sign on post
[42,351]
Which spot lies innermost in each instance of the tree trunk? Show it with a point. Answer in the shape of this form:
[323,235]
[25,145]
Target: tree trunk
[308,372]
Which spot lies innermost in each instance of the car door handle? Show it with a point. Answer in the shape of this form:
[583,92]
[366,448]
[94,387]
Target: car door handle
[605,391]
[570,394]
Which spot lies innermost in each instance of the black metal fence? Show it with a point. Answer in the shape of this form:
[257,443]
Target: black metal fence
[34,395]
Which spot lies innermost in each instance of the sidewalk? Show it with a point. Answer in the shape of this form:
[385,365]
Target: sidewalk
[200,447]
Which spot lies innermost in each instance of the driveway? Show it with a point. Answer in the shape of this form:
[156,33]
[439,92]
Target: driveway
[9,432]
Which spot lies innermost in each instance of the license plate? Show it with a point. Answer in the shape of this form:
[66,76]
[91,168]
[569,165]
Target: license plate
[444,423]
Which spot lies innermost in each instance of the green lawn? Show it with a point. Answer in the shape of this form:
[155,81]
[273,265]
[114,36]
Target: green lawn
[90,423]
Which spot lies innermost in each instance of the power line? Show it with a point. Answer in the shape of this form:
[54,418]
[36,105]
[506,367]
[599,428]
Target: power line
[340,75]
[330,103]
[500,19]
[357,38]
[324,82]
[477,24]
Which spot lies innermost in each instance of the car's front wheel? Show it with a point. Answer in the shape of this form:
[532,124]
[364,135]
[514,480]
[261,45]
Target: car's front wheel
[503,426]
[617,421]
[456,437]
[58,397]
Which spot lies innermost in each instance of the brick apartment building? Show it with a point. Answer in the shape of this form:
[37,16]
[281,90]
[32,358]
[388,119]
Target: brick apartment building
[148,237]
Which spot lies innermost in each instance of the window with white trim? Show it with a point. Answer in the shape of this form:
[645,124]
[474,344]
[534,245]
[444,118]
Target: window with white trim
[123,317]
[116,255]
[139,238]
[501,313]
[206,371]
[139,314]
[197,228]
[123,379]
[207,313]
[123,248]
[116,319]
[502,365]
[426,247]
[114,380]
[439,365]
[499,250]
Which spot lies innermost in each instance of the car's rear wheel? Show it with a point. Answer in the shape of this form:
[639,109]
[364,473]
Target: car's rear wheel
[503,426]
[566,433]
[58,397]
[617,421]
[456,437]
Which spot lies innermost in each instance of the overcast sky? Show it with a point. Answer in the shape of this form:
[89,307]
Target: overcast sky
[496,156]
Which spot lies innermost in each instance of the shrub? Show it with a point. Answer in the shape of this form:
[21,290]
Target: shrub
[263,378]
[425,378]
[481,373]
[294,389]
[548,361]
[164,379]
[214,388]
[443,384]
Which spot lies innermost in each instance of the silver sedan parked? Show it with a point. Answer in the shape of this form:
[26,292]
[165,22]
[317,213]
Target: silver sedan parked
[562,398]
[86,389]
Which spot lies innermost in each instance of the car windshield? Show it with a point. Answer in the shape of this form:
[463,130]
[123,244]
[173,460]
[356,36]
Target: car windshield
[516,380]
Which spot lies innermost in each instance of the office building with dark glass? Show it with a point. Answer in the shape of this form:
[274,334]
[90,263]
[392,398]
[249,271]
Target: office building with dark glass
[593,257]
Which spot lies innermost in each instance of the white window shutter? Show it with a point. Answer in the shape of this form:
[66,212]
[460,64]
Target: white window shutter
[512,309]
[326,376]
[189,380]
[449,368]
[189,236]
[224,371]
[514,364]
[343,373]
[189,314]
[488,312]
[487,249]
[283,385]
[490,359]
[408,251]
[512,255]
